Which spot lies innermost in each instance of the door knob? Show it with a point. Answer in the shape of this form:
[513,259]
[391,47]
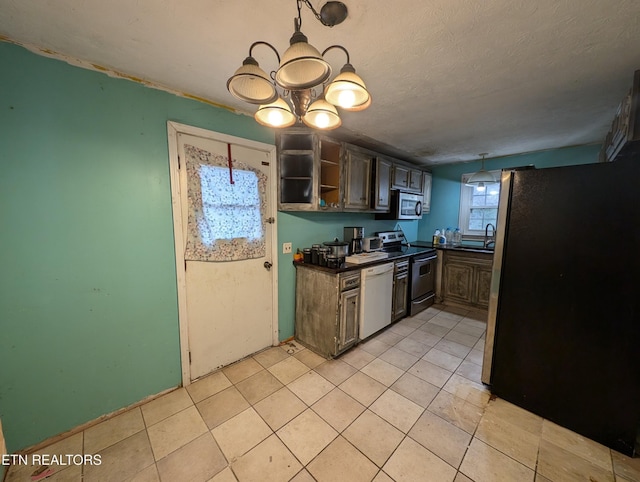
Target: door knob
[267,265]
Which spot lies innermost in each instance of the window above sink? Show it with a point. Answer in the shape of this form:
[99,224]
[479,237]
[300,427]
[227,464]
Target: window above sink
[478,207]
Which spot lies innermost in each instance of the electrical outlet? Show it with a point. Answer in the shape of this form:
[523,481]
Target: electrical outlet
[286,248]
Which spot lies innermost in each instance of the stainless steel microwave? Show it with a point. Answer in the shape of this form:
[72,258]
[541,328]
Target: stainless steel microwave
[406,205]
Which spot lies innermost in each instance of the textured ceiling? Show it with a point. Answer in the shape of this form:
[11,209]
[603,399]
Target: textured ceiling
[449,78]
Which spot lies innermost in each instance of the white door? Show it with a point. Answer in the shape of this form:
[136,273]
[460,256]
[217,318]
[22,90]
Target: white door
[226,305]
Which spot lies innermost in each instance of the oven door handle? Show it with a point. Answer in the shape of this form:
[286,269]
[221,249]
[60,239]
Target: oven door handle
[424,260]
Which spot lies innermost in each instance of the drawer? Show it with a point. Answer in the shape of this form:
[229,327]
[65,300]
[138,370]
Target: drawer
[349,282]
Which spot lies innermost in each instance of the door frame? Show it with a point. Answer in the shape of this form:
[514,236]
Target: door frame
[173,129]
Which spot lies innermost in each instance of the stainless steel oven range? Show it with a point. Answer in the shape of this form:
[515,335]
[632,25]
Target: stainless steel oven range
[422,270]
[423,283]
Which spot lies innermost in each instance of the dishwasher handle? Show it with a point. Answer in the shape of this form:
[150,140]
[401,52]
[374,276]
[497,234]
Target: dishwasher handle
[378,270]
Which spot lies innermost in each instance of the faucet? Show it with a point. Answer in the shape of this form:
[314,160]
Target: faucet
[489,240]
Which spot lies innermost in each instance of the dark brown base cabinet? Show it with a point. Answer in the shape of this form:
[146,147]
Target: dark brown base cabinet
[327,310]
[399,306]
[466,278]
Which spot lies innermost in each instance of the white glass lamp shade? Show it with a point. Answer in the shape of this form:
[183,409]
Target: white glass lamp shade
[322,115]
[302,65]
[480,178]
[276,114]
[348,91]
[252,84]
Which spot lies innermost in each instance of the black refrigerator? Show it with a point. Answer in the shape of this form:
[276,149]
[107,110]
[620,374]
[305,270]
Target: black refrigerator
[563,333]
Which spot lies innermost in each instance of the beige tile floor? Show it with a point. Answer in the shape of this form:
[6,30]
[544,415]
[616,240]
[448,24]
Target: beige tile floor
[406,405]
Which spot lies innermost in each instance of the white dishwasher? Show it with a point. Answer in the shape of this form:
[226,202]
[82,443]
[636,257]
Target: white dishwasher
[376,293]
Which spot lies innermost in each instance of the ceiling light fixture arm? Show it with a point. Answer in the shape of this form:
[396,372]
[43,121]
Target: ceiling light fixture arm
[261,42]
[337,47]
[346,67]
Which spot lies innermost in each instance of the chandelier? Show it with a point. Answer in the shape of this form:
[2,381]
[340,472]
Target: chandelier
[302,69]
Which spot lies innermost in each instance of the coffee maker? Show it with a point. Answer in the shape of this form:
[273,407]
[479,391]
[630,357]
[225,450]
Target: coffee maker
[354,235]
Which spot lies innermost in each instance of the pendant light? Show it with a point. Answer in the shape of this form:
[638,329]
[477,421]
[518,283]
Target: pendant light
[481,178]
[322,115]
[252,84]
[301,70]
[302,65]
[347,90]
[276,114]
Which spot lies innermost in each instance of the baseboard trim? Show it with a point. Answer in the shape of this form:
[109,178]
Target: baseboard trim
[91,423]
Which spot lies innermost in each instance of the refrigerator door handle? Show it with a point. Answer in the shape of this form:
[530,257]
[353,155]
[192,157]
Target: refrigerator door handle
[506,183]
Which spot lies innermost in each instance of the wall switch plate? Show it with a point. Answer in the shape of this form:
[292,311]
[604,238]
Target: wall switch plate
[286,248]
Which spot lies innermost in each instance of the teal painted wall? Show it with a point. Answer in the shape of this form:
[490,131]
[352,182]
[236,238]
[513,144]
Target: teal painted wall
[445,194]
[88,301]
[305,229]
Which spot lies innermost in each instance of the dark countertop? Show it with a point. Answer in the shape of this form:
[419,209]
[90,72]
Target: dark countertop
[469,248]
[414,248]
[400,253]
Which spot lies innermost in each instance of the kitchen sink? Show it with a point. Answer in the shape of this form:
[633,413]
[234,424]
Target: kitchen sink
[473,247]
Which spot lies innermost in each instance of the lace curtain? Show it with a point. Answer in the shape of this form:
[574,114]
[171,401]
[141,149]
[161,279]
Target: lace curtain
[226,222]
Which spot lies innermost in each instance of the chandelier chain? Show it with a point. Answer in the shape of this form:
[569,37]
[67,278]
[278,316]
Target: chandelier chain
[315,13]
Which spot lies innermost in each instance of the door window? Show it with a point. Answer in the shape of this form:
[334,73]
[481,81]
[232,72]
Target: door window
[226,220]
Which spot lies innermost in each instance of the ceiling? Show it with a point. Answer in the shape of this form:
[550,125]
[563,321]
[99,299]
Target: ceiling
[449,78]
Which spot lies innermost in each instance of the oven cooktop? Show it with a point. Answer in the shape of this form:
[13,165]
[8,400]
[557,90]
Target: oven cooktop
[394,242]
[409,250]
